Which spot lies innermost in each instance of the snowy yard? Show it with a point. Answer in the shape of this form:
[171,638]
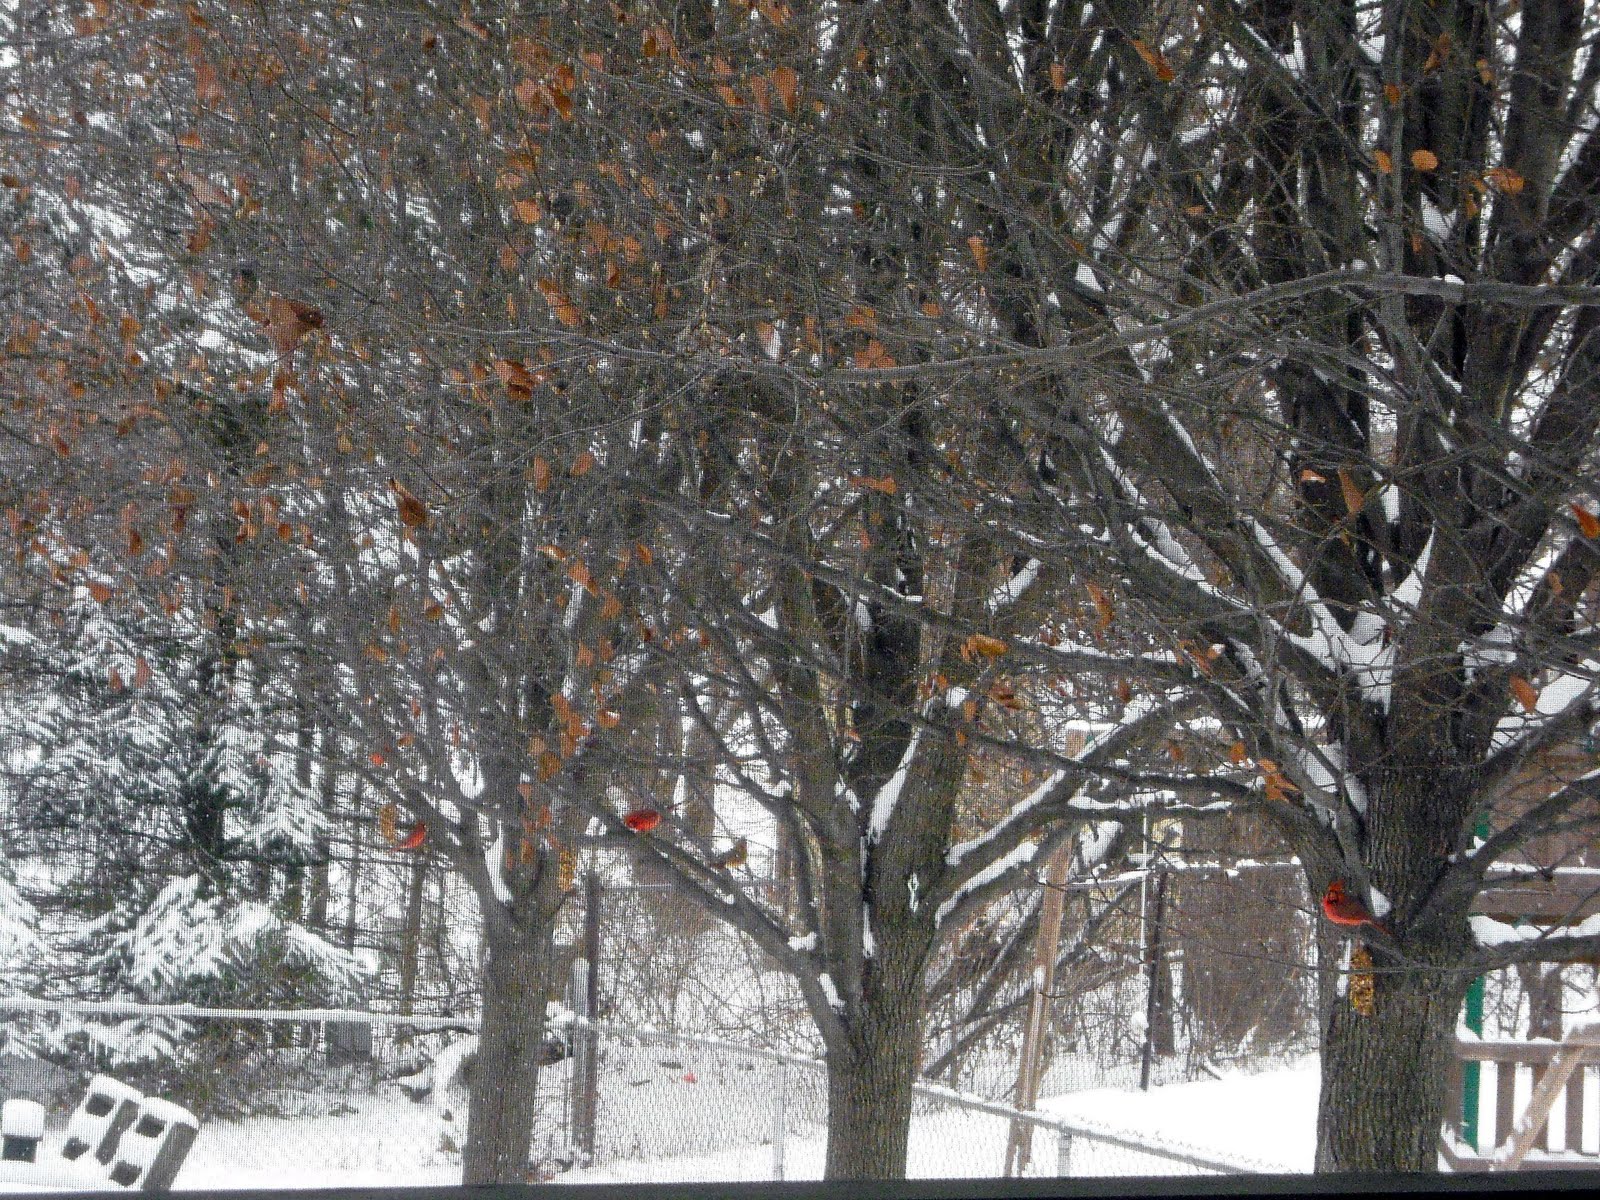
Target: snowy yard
[1269,1116]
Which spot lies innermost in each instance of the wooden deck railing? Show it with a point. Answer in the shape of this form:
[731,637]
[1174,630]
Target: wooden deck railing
[1506,1136]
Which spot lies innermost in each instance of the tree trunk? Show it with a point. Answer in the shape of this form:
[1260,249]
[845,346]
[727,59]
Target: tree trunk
[1541,982]
[519,951]
[1381,1102]
[869,1089]
[505,1075]
[411,934]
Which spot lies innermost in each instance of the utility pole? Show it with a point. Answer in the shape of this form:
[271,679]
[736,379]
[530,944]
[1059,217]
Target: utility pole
[1153,989]
[1019,1142]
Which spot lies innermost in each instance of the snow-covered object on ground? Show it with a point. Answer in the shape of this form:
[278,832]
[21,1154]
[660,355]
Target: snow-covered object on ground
[22,1119]
[450,1066]
[152,1150]
[21,1127]
[108,1107]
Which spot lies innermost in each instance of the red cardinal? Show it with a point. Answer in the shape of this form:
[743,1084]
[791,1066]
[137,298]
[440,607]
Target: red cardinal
[642,820]
[1340,907]
[414,839]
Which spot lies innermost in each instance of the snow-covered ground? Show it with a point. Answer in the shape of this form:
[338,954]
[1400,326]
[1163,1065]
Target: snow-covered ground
[391,1141]
[1270,1116]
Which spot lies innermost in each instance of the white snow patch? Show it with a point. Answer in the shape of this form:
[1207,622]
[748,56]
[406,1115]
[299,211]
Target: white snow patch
[493,858]
[1434,222]
[1555,698]
[960,850]
[889,794]
[1015,858]
[1486,931]
[1006,593]
[1494,648]
[835,1001]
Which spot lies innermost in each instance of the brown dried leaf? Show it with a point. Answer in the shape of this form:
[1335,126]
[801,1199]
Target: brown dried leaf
[413,512]
[1105,611]
[518,380]
[288,321]
[1354,499]
[787,84]
[884,484]
[1504,179]
[1155,60]
[1588,523]
[560,303]
[986,645]
[874,357]
[862,317]
[207,85]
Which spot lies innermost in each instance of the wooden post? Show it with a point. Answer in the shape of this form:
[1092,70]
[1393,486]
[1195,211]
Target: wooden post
[1152,979]
[1574,1053]
[411,933]
[1505,1103]
[1453,1109]
[1575,1112]
[1019,1142]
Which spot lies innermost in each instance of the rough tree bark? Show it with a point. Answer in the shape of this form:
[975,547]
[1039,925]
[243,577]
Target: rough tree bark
[1380,1104]
[871,1069]
[504,1078]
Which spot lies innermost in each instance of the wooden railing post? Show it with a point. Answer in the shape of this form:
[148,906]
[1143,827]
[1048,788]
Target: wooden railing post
[1505,1102]
[1569,1060]
[1575,1111]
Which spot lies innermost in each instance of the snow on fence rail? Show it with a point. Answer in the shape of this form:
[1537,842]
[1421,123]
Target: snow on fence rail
[731,1111]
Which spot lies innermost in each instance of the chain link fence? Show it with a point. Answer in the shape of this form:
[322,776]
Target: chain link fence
[339,1097]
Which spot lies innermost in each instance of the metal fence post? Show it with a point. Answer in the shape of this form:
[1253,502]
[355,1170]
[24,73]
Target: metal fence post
[586,1109]
[780,1079]
[1063,1152]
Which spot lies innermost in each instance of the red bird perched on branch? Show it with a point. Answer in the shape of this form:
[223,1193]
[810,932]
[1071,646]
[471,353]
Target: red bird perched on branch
[642,820]
[414,839]
[1340,907]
